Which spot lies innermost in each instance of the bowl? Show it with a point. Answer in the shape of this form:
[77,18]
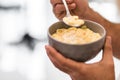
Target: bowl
[78,52]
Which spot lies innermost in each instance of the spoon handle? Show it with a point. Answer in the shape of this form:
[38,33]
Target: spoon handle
[66,7]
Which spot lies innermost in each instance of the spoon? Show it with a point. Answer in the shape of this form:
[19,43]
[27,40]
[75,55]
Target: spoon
[71,20]
[66,7]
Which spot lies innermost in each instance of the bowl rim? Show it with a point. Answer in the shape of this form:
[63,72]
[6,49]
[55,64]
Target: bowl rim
[103,36]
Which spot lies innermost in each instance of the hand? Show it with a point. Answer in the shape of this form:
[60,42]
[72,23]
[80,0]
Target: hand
[76,7]
[103,70]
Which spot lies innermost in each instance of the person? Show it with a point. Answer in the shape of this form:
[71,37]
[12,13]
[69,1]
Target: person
[103,70]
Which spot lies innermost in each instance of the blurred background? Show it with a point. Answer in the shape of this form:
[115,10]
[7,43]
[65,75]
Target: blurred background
[23,35]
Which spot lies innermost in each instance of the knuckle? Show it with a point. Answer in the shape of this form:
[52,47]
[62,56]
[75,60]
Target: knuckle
[63,63]
[56,9]
[81,68]
[60,7]
[55,2]
[108,48]
[52,1]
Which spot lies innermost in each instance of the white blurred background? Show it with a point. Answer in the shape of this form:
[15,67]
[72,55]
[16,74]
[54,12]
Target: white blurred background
[23,35]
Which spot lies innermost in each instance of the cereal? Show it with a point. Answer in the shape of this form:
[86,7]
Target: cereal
[75,35]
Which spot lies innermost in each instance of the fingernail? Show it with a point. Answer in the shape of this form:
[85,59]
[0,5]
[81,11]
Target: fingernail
[109,38]
[46,48]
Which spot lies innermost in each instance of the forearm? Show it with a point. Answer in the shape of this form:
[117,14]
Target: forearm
[112,29]
[94,16]
[115,28]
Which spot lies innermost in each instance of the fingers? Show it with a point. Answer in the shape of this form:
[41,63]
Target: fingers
[55,2]
[107,53]
[60,7]
[58,65]
[60,61]
[60,11]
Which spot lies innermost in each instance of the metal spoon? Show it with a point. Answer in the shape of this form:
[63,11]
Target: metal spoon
[71,20]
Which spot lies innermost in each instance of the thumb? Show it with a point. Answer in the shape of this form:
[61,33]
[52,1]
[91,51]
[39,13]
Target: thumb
[107,52]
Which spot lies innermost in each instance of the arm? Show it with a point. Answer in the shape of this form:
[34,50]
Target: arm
[112,29]
[82,9]
[103,70]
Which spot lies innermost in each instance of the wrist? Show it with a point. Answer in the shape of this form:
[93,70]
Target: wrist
[90,14]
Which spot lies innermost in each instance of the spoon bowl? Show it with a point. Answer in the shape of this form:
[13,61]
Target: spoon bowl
[71,20]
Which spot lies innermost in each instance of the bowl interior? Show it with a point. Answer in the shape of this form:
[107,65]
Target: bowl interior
[90,24]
